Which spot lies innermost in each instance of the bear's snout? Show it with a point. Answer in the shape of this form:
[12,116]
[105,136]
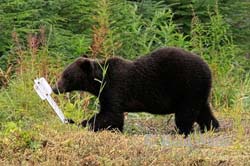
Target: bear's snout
[59,87]
[55,90]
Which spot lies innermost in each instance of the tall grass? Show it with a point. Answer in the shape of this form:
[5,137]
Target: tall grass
[213,41]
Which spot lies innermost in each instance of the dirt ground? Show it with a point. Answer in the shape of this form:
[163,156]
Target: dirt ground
[147,140]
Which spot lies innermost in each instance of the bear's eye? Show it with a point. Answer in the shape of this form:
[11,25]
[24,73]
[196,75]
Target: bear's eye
[66,76]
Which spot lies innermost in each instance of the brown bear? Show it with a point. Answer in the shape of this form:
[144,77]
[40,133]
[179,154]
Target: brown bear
[166,81]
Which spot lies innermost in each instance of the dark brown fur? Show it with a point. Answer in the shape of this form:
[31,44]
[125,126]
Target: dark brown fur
[168,80]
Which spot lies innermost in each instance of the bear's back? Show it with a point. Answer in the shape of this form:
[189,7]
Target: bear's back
[170,72]
[173,63]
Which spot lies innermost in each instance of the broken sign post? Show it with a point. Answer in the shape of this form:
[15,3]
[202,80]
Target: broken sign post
[44,90]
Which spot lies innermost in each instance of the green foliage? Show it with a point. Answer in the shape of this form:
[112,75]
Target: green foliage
[66,21]
[182,10]
[236,14]
[130,35]
[212,41]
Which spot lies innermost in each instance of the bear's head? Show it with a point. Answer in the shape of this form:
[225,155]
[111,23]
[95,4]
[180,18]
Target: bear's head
[80,76]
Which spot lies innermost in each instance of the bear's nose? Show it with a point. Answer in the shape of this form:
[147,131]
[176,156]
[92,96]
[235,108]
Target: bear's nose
[55,90]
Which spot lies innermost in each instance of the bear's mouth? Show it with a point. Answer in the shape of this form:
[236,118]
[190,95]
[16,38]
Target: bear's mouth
[57,90]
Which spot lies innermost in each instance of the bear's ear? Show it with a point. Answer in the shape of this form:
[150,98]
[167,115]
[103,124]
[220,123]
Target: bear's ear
[86,65]
[84,56]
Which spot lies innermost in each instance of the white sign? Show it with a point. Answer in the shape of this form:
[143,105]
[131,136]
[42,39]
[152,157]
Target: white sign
[44,91]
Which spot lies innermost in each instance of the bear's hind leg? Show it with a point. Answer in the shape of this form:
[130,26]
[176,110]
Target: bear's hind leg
[206,119]
[105,121]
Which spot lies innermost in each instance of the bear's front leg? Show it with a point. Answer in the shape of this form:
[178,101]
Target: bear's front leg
[105,121]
